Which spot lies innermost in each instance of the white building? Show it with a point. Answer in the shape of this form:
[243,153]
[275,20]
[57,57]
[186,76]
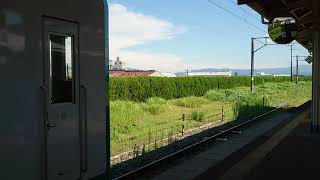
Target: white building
[169,74]
[110,64]
[281,75]
[223,74]
[262,74]
[117,65]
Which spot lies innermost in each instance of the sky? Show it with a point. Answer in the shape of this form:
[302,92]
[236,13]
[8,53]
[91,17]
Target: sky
[175,35]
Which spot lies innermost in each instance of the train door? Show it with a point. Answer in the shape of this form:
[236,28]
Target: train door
[61,83]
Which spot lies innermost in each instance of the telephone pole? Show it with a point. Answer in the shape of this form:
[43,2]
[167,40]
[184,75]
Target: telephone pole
[252,65]
[297,65]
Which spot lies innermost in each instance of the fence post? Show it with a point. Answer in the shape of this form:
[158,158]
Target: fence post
[222,118]
[135,150]
[162,138]
[155,144]
[149,140]
[172,132]
[143,149]
[183,119]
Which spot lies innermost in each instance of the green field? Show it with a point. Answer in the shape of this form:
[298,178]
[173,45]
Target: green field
[138,123]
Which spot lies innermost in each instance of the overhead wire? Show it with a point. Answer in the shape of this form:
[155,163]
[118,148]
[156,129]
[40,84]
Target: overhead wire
[259,20]
[243,19]
[260,41]
[303,53]
[235,15]
[297,49]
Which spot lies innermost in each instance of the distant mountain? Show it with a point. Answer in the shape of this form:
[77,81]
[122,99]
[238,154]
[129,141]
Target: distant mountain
[303,70]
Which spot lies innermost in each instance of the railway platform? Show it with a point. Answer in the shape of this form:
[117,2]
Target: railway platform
[279,147]
[290,153]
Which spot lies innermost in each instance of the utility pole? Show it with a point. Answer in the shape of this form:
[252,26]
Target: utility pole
[253,50]
[298,58]
[252,65]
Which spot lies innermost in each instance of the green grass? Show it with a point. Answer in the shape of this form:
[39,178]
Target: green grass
[191,102]
[156,106]
[198,114]
[140,122]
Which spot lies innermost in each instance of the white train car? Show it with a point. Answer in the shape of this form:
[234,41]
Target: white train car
[53,91]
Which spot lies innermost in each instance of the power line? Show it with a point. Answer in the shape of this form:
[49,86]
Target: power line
[299,51]
[237,16]
[296,49]
[259,20]
[260,41]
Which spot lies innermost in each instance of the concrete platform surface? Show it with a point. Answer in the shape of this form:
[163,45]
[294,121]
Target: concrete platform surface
[291,153]
[194,166]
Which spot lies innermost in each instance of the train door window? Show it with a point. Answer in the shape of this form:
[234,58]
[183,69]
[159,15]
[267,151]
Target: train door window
[61,68]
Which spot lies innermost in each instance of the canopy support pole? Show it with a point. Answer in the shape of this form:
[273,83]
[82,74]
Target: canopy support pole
[316,69]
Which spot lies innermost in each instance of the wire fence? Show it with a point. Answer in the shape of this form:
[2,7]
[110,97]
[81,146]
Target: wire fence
[165,133]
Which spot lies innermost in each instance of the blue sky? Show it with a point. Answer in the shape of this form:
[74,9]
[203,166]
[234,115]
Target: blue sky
[173,35]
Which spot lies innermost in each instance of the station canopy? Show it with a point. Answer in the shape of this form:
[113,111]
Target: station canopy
[300,10]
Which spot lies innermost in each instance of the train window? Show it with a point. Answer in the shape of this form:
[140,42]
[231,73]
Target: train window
[61,68]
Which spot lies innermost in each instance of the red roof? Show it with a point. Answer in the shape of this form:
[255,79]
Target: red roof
[130,73]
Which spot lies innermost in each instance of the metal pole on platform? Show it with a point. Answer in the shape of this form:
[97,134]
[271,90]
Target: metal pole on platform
[316,67]
[316,80]
[252,65]
[291,63]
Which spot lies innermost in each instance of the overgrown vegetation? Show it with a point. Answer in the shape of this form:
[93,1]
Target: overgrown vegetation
[191,102]
[198,114]
[139,89]
[136,122]
[156,105]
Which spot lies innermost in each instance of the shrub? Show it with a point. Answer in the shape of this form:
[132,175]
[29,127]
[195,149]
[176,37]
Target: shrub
[238,95]
[156,105]
[250,109]
[124,106]
[216,95]
[191,102]
[139,89]
[124,116]
[198,114]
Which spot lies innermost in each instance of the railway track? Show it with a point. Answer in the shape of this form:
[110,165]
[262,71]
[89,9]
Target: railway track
[236,129]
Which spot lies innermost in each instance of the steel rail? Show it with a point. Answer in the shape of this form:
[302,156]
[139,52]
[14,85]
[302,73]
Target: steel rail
[213,137]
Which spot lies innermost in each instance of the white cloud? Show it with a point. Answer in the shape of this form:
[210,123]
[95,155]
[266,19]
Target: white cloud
[128,29]
[153,61]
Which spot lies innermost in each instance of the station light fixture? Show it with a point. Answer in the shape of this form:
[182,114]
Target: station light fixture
[309,59]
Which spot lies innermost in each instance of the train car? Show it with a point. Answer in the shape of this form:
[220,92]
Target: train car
[53,120]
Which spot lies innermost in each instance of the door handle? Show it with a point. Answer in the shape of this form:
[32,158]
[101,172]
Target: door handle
[49,126]
[45,93]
